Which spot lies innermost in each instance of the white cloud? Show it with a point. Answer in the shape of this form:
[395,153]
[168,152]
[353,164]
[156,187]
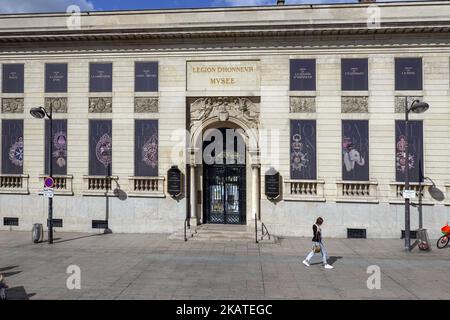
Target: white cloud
[32,6]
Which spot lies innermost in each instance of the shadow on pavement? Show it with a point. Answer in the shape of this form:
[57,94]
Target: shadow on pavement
[18,293]
[332,260]
[10,274]
[77,238]
[8,268]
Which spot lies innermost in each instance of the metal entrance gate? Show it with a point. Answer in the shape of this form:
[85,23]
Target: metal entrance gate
[224,181]
[224,192]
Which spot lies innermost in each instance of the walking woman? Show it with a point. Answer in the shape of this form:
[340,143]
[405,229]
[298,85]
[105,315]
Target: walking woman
[318,245]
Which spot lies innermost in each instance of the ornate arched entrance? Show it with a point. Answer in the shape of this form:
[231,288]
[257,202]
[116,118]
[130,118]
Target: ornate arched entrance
[220,191]
[224,176]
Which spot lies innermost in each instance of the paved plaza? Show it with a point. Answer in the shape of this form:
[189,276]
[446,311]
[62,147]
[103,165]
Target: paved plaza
[130,266]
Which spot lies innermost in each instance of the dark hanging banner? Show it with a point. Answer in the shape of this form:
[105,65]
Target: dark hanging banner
[355,74]
[408,74]
[13,75]
[12,146]
[303,150]
[100,75]
[146,148]
[146,77]
[355,150]
[303,75]
[100,147]
[59,145]
[415,150]
[56,77]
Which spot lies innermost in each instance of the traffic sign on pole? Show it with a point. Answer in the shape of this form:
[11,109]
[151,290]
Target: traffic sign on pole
[49,192]
[49,182]
[409,194]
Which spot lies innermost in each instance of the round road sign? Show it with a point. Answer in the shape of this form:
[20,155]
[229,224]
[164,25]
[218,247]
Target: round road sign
[49,182]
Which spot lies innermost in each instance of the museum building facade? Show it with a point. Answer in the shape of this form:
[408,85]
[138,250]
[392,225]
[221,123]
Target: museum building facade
[167,116]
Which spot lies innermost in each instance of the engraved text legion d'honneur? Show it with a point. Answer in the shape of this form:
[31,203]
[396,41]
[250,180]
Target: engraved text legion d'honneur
[223,75]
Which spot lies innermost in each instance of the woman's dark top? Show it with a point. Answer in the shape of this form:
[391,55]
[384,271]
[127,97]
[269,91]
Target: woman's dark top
[317,234]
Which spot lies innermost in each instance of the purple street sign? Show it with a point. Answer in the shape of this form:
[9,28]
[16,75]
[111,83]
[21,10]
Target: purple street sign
[49,182]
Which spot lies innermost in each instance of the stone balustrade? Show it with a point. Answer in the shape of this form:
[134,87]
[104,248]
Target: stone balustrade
[304,190]
[147,186]
[14,183]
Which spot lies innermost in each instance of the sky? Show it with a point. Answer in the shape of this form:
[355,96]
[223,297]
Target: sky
[34,6]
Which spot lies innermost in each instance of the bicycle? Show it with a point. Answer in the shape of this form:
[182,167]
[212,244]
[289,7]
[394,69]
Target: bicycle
[445,239]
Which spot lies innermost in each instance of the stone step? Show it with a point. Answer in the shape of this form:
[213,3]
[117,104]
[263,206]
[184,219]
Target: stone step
[223,239]
[221,233]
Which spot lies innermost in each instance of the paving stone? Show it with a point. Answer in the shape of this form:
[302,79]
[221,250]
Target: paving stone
[151,267]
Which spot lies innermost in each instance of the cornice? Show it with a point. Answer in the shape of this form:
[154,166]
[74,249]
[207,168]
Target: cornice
[255,31]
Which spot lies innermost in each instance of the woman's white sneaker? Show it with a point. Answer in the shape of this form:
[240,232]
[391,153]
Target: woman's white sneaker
[306,263]
[327,266]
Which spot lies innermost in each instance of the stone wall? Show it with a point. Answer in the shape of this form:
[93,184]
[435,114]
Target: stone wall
[381,213]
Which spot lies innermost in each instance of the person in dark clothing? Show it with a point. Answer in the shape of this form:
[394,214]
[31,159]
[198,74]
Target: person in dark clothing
[317,243]
[3,288]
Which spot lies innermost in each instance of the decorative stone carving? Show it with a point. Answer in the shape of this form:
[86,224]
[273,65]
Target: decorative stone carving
[224,108]
[400,103]
[12,105]
[59,105]
[303,104]
[146,105]
[100,105]
[355,104]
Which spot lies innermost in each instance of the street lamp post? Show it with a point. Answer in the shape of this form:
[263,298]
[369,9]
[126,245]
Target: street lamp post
[41,113]
[416,107]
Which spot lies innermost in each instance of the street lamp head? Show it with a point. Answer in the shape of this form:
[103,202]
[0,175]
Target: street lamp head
[38,112]
[419,106]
